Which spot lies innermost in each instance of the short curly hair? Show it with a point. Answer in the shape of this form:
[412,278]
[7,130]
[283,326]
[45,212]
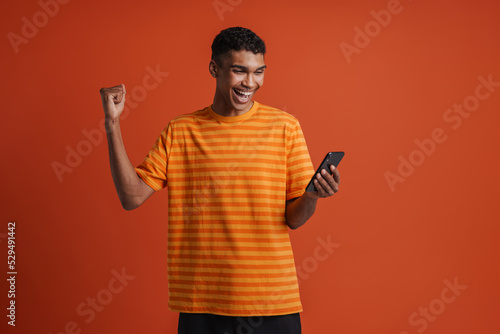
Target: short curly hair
[236,39]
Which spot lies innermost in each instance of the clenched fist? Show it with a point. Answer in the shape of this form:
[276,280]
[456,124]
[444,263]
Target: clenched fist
[113,101]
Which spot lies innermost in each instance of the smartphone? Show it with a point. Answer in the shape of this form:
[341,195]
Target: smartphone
[331,158]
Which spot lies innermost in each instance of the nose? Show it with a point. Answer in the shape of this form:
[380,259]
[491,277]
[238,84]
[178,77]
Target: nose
[249,81]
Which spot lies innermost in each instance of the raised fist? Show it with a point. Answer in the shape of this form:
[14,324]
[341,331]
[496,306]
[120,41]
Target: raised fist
[113,101]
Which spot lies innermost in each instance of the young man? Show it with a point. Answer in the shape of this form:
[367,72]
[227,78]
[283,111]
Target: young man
[236,173]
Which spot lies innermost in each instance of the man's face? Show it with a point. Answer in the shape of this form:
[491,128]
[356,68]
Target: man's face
[239,78]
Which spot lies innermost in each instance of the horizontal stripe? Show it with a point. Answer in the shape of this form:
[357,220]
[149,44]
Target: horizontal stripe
[230,258]
[222,142]
[253,283]
[205,181]
[256,240]
[203,253]
[237,300]
[221,250]
[238,264]
[255,131]
[230,277]
[209,225]
[196,230]
[212,287]
[235,273]
[219,169]
[225,197]
[230,158]
[207,211]
[265,118]
[195,216]
[225,243]
[207,292]
[229,137]
[249,236]
[224,264]
[214,205]
[175,190]
[276,223]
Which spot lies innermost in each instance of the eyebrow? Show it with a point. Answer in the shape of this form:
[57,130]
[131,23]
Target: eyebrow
[241,67]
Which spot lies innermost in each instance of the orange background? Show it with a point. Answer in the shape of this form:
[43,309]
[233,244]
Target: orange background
[395,248]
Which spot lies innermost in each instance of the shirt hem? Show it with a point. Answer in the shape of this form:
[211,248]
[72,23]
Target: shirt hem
[295,194]
[209,310]
[147,181]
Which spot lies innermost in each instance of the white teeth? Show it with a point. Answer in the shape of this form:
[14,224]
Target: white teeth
[244,93]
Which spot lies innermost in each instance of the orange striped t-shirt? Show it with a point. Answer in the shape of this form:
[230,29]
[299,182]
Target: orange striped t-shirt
[228,179]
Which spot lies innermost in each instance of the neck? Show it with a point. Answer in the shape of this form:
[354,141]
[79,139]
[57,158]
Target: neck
[221,107]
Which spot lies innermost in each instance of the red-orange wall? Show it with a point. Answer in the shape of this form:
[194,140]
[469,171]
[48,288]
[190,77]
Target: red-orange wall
[397,238]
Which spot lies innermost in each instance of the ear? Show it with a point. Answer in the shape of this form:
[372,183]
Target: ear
[213,68]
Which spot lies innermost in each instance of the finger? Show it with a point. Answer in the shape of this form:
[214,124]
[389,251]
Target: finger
[319,189]
[335,174]
[324,183]
[107,93]
[331,181]
[118,93]
[115,89]
[110,101]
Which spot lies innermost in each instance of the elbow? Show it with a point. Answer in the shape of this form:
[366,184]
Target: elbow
[133,199]
[129,205]
[293,225]
[291,221]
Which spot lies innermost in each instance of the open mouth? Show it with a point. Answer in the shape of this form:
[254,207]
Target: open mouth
[242,96]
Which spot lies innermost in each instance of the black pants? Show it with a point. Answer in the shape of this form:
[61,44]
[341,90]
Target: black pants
[203,323]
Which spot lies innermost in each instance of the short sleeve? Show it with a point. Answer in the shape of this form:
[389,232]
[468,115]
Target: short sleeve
[299,168]
[153,170]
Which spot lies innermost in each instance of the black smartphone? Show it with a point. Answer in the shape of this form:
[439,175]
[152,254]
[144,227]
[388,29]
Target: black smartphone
[331,158]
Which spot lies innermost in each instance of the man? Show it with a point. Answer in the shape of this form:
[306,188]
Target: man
[236,173]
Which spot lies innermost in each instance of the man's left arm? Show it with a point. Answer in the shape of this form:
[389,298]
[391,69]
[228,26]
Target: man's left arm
[300,209]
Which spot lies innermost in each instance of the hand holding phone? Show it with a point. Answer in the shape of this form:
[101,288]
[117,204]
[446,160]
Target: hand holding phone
[331,158]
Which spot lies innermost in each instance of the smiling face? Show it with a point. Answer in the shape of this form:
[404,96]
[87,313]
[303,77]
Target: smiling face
[238,79]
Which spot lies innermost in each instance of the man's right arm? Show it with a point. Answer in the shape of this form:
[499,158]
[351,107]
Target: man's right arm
[131,189]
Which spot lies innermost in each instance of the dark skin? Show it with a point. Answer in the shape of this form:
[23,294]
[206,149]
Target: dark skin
[242,71]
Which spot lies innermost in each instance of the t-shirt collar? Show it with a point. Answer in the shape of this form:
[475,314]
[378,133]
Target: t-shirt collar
[238,118]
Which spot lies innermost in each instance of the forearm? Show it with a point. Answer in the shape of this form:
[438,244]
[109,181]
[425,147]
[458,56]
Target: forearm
[300,210]
[129,186]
